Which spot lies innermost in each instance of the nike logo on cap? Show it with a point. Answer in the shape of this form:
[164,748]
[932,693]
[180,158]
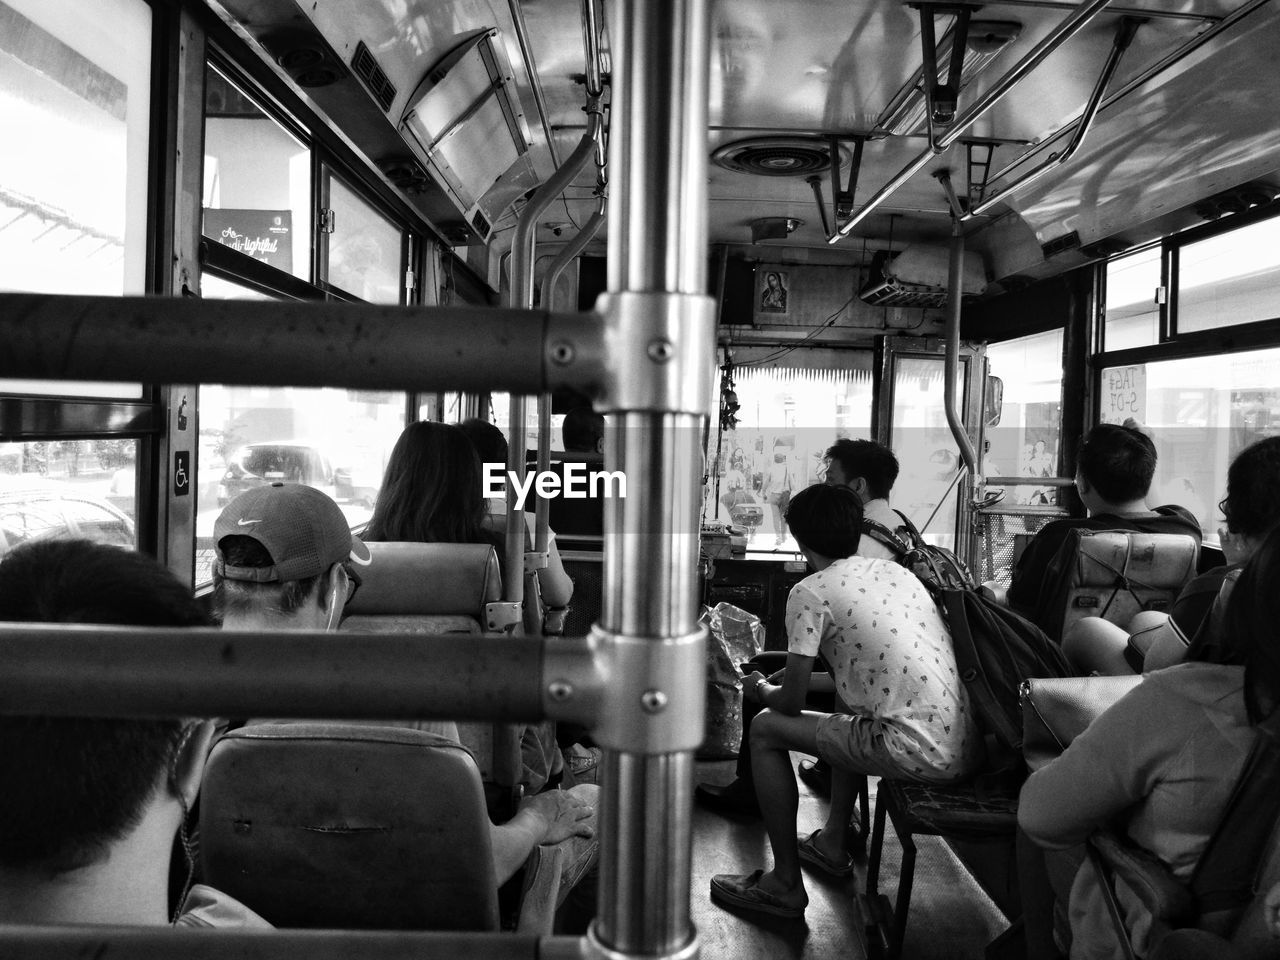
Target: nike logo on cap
[245,523]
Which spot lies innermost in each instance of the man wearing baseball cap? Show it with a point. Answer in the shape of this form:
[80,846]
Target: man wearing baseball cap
[285,551]
[287,560]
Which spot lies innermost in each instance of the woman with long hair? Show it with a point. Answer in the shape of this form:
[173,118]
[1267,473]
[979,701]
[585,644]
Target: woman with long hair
[1161,764]
[432,490]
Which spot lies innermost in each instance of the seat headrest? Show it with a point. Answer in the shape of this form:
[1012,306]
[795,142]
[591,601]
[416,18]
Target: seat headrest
[347,825]
[428,579]
[1158,560]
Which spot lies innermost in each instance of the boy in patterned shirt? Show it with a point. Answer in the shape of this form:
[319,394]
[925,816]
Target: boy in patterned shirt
[893,672]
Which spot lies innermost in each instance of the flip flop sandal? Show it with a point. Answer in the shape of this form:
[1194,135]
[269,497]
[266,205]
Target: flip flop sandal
[743,891]
[810,854]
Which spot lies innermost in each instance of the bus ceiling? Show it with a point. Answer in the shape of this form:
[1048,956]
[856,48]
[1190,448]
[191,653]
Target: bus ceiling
[427,89]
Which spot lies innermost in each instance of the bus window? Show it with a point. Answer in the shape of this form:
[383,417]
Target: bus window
[1202,411]
[787,420]
[364,248]
[337,441]
[257,181]
[75,93]
[68,488]
[1229,279]
[1026,442]
[1133,317]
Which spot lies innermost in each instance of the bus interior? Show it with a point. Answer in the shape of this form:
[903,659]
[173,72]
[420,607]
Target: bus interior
[250,241]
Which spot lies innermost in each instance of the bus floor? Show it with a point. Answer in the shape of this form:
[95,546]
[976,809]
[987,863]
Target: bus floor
[950,917]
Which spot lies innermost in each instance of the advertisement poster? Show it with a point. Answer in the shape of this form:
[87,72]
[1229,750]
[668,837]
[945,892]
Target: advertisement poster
[1124,394]
[261,234]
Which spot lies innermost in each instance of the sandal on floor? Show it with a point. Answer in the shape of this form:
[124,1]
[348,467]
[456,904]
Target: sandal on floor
[743,891]
[810,854]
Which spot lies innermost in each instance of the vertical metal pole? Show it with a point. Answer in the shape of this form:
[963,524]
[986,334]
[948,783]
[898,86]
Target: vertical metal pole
[657,244]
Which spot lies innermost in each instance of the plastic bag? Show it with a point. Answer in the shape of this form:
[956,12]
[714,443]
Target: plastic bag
[736,635]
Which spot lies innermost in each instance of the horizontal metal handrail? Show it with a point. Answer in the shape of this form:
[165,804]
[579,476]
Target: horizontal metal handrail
[354,345]
[73,670]
[163,943]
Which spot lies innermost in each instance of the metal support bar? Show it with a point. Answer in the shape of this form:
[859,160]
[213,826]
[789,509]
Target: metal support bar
[1125,30]
[136,671]
[657,311]
[355,345]
[815,182]
[1076,21]
[165,943]
[942,99]
[951,376]
[591,46]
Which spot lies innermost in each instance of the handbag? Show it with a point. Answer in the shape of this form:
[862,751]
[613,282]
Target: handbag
[1056,710]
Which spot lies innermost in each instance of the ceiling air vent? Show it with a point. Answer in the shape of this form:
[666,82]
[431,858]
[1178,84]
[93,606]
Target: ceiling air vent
[777,156]
[1068,241]
[366,68]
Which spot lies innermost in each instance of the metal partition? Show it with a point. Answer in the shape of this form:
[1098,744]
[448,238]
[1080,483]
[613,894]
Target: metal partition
[644,360]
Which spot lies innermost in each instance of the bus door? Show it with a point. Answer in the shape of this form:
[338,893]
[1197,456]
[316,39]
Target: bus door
[933,489]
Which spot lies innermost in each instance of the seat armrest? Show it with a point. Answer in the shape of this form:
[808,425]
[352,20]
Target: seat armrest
[1163,894]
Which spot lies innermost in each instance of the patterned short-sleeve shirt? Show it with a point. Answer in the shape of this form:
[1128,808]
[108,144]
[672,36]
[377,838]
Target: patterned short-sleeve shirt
[891,660]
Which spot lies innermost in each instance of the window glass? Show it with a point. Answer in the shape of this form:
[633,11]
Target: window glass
[216,288]
[72,388]
[928,460]
[364,248]
[1133,317]
[257,181]
[334,440]
[75,110]
[787,420]
[500,414]
[1026,441]
[1202,411]
[1230,279]
[68,488]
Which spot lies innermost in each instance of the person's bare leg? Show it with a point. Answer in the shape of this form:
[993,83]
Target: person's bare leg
[833,841]
[1093,645]
[773,736]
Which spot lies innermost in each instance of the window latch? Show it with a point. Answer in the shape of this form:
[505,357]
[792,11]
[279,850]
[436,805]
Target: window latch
[327,220]
[1162,295]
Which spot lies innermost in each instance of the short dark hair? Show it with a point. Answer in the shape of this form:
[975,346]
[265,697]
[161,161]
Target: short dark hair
[1118,462]
[248,596]
[1252,504]
[77,784]
[826,520]
[487,439]
[582,429]
[872,461]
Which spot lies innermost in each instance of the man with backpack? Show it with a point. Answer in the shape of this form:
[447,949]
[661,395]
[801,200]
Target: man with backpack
[907,712]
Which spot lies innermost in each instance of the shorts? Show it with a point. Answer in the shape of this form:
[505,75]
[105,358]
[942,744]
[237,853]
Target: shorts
[860,744]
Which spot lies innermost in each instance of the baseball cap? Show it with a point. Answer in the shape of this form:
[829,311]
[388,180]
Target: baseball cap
[301,528]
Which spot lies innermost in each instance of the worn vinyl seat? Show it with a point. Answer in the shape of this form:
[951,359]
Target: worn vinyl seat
[342,825]
[438,588]
[1115,574]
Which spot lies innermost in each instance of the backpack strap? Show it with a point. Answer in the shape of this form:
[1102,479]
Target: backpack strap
[884,536]
[912,533]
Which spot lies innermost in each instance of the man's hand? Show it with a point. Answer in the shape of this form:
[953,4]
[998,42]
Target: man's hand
[751,686]
[564,814]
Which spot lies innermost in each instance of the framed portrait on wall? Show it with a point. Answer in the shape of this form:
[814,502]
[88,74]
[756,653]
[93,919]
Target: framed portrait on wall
[773,292]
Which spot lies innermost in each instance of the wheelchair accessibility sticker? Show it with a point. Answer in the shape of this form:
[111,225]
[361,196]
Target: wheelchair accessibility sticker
[182,473]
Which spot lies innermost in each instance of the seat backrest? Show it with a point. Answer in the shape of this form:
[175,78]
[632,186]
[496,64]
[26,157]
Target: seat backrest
[348,825]
[1115,574]
[425,588]
[435,588]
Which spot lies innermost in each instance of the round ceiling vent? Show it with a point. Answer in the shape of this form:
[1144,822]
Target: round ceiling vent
[777,156]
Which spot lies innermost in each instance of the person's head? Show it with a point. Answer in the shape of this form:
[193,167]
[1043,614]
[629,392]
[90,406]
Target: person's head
[583,431]
[1252,505]
[826,522]
[867,468]
[432,490]
[1116,465]
[77,787]
[285,553]
[488,440]
[1251,628]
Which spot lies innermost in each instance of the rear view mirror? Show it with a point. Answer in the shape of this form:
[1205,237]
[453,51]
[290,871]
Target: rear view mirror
[992,400]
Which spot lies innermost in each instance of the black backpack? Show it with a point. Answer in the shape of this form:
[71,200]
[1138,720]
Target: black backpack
[937,567]
[995,648]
